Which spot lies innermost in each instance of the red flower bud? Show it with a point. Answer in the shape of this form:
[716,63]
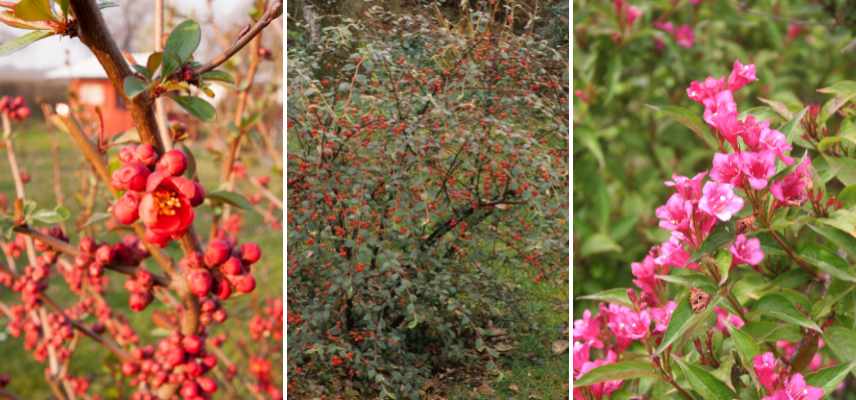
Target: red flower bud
[245,283]
[159,239]
[223,291]
[200,282]
[189,390]
[139,300]
[217,253]
[129,368]
[132,176]
[192,344]
[87,245]
[232,266]
[22,113]
[207,384]
[17,102]
[250,253]
[173,162]
[146,154]
[128,154]
[104,254]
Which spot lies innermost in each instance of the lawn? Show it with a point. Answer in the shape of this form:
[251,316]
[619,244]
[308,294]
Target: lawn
[33,145]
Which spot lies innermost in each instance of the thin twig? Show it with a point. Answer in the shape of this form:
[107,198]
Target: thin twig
[273,11]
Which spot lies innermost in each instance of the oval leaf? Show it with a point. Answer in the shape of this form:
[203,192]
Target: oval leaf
[220,76]
[134,86]
[829,378]
[49,217]
[34,10]
[197,107]
[621,370]
[20,42]
[842,341]
[683,320]
[616,296]
[235,199]
[183,40]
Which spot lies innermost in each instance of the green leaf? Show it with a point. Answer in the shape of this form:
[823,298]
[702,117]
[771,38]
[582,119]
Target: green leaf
[790,129]
[829,378]
[621,370]
[778,306]
[723,264]
[63,6]
[746,346]
[616,296]
[154,61]
[107,4]
[722,234]
[183,40]
[20,42]
[683,320]
[704,383]
[828,262]
[779,107]
[843,91]
[235,199]
[598,243]
[96,218]
[34,10]
[841,239]
[190,172]
[847,196]
[197,107]
[842,341]
[220,76]
[134,86]
[846,169]
[689,119]
[49,217]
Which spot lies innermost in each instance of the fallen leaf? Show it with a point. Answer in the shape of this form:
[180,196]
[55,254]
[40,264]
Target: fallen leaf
[503,347]
[485,389]
[560,346]
[513,388]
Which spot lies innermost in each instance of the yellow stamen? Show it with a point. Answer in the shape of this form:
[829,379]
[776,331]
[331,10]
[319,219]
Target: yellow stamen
[166,202]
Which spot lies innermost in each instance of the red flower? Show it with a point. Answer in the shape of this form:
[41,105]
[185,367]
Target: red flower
[165,210]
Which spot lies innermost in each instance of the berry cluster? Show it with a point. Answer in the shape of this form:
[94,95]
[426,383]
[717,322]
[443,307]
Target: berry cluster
[14,108]
[156,193]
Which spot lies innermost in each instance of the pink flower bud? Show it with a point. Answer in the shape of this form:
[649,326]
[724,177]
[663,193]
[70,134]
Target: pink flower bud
[173,162]
[223,292]
[126,209]
[104,254]
[192,344]
[132,176]
[146,154]
[128,154]
[245,283]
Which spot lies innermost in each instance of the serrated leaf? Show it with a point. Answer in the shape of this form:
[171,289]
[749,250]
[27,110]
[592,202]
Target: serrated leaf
[34,10]
[219,76]
[690,120]
[197,107]
[847,196]
[704,383]
[134,86]
[622,370]
[779,107]
[829,378]
[50,217]
[183,40]
[828,262]
[746,346]
[778,306]
[20,42]
[616,296]
[841,239]
[235,199]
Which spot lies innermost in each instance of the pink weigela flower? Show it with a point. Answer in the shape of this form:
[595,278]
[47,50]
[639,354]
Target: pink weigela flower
[719,199]
[758,167]
[740,75]
[726,168]
[684,36]
[588,330]
[767,369]
[746,251]
[792,189]
[723,317]
[796,389]
[602,389]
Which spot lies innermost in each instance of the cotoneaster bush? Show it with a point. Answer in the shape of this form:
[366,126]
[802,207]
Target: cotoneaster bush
[632,55]
[429,154]
[141,223]
[751,296]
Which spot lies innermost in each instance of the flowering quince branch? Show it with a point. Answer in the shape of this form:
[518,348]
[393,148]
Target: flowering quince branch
[743,172]
[153,196]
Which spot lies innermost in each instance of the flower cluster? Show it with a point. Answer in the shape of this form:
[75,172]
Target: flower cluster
[140,286]
[780,385]
[15,108]
[749,151]
[268,324]
[684,35]
[155,192]
[222,270]
[178,360]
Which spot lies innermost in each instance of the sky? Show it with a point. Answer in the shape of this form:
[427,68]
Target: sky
[51,52]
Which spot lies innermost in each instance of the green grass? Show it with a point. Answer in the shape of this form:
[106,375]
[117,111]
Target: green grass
[531,367]
[33,144]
